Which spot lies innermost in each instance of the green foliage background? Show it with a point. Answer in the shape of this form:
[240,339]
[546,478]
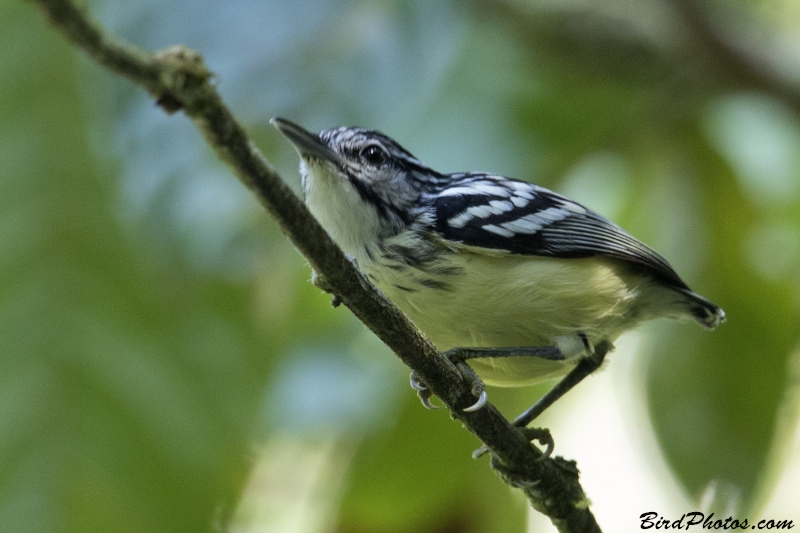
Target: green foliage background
[165,364]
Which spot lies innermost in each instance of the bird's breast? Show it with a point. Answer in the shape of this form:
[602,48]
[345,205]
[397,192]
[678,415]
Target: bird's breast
[465,299]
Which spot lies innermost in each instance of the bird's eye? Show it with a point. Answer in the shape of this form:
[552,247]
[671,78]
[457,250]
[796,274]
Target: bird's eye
[374,155]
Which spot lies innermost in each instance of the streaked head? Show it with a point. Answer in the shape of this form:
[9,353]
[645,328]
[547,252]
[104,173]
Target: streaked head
[344,167]
[375,165]
[354,170]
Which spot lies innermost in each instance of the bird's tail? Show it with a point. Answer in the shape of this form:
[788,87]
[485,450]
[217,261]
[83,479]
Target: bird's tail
[702,310]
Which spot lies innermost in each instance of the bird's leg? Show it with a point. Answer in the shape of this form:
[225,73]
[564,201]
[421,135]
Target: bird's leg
[459,356]
[586,366]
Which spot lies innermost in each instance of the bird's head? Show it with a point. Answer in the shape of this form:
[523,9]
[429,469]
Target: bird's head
[361,171]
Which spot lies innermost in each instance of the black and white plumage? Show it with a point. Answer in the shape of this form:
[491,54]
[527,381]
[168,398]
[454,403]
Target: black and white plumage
[479,260]
[521,218]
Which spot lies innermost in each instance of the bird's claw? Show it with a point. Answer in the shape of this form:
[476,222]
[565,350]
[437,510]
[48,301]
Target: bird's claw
[540,434]
[423,392]
[482,398]
[425,395]
[514,479]
[543,436]
[415,383]
[478,388]
[425,398]
[480,452]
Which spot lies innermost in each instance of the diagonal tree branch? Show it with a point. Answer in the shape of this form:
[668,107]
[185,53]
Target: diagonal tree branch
[178,80]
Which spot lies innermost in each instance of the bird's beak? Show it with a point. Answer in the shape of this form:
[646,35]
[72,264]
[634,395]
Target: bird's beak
[306,143]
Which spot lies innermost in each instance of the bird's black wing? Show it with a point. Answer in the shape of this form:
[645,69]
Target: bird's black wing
[488,211]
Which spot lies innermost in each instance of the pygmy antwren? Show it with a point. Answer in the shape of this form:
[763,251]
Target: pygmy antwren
[524,283]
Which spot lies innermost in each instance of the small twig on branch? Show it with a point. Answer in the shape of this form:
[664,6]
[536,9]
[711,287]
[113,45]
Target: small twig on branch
[178,80]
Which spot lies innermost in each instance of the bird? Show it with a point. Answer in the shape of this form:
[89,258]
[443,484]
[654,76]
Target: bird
[521,282]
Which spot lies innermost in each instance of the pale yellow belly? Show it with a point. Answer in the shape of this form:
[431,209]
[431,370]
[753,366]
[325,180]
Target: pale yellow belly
[513,301]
